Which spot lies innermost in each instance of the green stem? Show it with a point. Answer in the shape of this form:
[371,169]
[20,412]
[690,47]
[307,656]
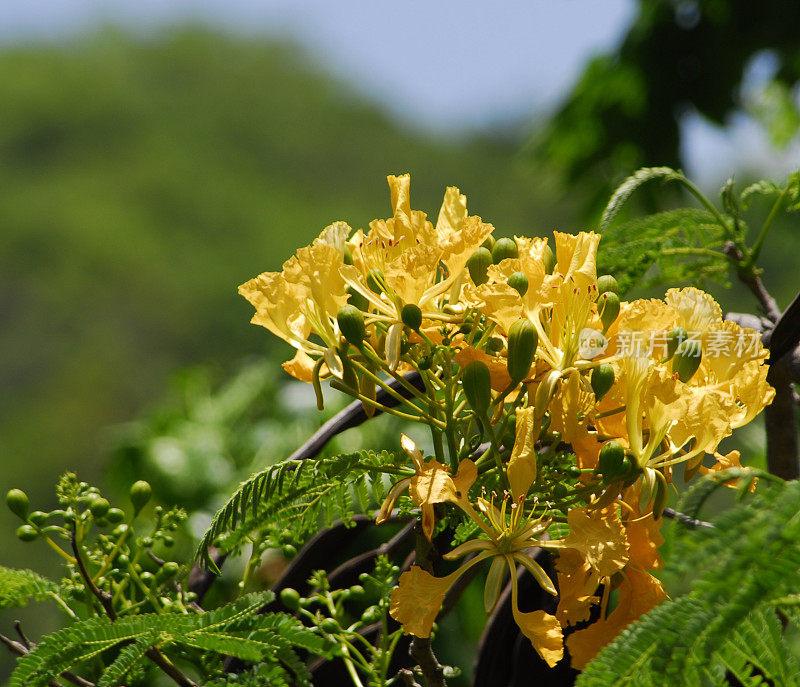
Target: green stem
[753,253]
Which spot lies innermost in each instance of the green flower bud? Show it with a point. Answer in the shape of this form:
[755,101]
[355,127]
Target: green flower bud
[613,463]
[504,248]
[519,282]
[675,338]
[488,244]
[478,265]
[348,256]
[330,626]
[686,360]
[371,615]
[549,260]
[357,300]
[18,503]
[522,342]
[425,362]
[148,578]
[289,550]
[290,598]
[351,324]
[411,316]
[375,279]
[602,380]
[99,507]
[27,533]
[494,344]
[477,385]
[608,304]
[115,515]
[606,283]
[560,490]
[356,592]
[38,518]
[167,571]
[573,471]
[140,494]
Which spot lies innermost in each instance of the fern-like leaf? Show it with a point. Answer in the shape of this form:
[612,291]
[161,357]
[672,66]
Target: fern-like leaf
[673,246]
[18,587]
[627,188]
[303,495]
[235,629]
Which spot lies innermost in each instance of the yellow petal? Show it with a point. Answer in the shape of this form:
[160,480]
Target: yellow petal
[696,310]
[417,600]
[498,370]
[576,588]
[639,593]
[521,468]
[576,256]
[600,538]
[300,367]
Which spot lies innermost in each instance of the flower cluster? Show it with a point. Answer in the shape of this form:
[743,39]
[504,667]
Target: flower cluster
[487,340]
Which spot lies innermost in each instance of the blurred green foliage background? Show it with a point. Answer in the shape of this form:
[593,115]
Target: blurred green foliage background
[142,180]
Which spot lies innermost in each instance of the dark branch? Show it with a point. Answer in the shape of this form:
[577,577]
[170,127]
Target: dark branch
[685,519]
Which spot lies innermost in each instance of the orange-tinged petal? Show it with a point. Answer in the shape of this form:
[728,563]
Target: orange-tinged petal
[498,371]
[301,366]
[639,593]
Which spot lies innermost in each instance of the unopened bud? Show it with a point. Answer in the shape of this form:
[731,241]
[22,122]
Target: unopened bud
[608,304]
[686,360]
[607,283]
[411,316]
[478,265]
[549,260]
[18,502]
[602,380]
[675,338]
[504,248]
[351,324]
[477,385]
[522,342]
[519,282]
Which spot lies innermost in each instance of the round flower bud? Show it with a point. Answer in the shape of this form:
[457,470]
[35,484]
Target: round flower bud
[522,342]
[504,248]
[477,385]
[18,503]
[549,260]
[613,463]
[99,507]
[602,380]
[675,338]
[608,303]
[371,615]
[607,283]
[478,265]
[686,360]
[488,243]
[167,571]
[140,494]
[330,626]
[27,533]
[519,282]
[115,515]
[351,324]
[290,598]
[411,316]
[38,518]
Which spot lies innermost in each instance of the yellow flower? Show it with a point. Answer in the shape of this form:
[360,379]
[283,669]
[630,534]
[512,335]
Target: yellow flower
[303,299]
[599,536]
[510,533]
[521,468]
[431,484]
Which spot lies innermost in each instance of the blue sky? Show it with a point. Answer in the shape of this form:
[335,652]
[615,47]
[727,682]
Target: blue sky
[447,67]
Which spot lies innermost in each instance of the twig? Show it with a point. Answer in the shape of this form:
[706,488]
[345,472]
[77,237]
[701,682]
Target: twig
[18,629]
[685,519]
[432,670]
[752,281]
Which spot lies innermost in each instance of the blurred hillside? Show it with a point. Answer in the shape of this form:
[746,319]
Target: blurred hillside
[143,181]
